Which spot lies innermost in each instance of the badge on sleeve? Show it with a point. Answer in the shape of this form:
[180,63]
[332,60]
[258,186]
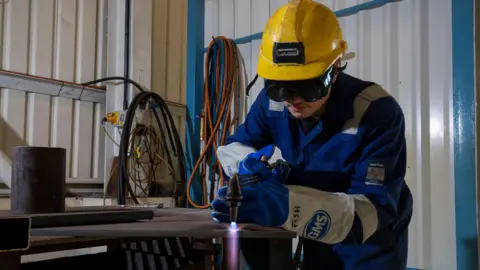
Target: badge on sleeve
[375,173]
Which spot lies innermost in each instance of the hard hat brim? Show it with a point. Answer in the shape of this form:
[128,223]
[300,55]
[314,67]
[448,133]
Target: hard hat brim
[348,56]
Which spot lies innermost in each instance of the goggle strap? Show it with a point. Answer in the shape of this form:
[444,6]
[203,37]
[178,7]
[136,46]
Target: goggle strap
[250,85]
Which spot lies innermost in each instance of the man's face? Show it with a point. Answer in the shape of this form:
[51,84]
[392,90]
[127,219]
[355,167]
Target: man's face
[301,109]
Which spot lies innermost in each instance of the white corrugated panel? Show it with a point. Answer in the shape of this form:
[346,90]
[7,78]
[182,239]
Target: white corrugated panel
[406,47]
[66,40]
[159,33]
[60,39]
[159,37]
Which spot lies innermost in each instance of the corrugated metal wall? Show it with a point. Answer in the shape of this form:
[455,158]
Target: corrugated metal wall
[159,32]
[60,39]
[159,46]
[406,47]
[66,40]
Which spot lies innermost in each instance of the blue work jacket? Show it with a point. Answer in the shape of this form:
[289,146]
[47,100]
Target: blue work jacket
[338,153]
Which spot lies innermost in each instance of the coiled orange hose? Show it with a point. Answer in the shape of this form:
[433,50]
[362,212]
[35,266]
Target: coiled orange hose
[223,81]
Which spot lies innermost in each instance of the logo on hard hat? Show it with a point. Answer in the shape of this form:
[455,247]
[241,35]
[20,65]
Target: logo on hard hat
[287,52]
[318,226]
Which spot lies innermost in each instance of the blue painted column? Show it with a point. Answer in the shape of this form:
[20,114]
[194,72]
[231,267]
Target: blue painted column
[464,133]
[195,63]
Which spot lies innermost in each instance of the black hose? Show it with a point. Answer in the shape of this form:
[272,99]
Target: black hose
[168,133]
[126,50]
[167,126]
[114,78]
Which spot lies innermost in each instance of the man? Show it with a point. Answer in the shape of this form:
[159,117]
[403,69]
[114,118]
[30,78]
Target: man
[344,192]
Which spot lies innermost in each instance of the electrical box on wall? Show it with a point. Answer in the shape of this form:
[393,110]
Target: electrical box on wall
[116,118]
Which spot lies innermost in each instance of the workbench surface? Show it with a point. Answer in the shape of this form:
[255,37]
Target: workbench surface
[177,222]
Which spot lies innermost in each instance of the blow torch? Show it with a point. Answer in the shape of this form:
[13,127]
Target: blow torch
[234,193]
[234,198]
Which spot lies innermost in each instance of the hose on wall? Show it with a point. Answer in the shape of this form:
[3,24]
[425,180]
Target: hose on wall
[224,105]
[169,139]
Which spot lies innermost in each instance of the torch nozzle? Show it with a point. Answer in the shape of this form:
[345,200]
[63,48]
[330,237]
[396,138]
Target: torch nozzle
[234,197]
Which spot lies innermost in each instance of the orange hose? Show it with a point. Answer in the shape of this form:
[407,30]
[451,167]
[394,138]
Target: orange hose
[211,135]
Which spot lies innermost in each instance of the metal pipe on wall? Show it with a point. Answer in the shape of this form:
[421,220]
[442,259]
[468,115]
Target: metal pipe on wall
[128,11]
[340,13]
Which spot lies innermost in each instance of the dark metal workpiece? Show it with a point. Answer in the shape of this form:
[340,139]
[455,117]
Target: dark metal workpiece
[169,223]
[88,218]
[38,180]
[80,216]
[196,223]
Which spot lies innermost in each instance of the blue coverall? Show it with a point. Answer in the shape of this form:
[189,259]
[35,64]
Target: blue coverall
[326,156]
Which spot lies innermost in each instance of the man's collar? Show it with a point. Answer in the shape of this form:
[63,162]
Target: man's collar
[339,106]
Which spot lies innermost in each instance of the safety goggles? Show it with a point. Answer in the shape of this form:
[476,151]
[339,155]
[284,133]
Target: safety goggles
[308,90]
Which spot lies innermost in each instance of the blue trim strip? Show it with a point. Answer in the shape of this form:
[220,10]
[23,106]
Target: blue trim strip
[195,62]
[361,7]
[464,133]
[340,13]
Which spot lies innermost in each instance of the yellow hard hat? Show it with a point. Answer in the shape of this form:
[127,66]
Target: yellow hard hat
[300,41]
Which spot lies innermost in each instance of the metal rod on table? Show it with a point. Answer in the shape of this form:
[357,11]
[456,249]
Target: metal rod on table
[298,252]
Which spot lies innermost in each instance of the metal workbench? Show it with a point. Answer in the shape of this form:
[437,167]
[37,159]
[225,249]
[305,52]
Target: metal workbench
[180,224]
[177,222]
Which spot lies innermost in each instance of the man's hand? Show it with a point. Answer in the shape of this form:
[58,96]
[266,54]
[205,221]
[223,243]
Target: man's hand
[265,198]
[251,165]
[314,214]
